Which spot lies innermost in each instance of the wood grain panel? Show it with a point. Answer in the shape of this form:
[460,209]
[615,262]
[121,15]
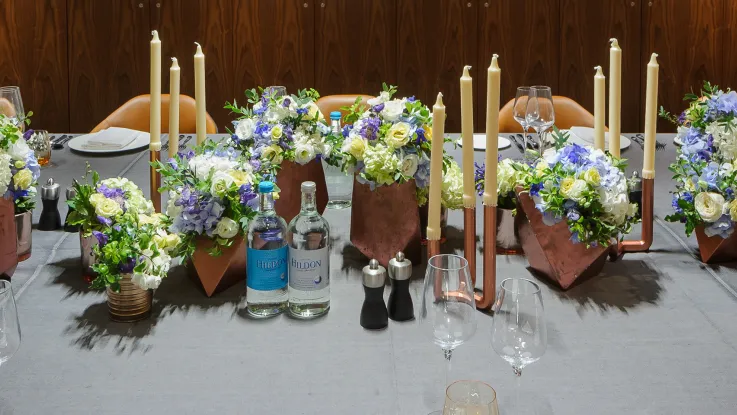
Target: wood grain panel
[355,46]
[437,38]
[586,28]
[685,35]
[729,48]
[108,57]
[525,34]
[33,55]
[181,23]
[274,44]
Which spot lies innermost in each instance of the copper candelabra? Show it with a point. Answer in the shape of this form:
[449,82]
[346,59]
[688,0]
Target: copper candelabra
[155,156]
[642,245]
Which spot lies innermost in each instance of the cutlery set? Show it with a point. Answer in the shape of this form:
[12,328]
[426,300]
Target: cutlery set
[519,141]
[166,145]
[58,143]
[640,139]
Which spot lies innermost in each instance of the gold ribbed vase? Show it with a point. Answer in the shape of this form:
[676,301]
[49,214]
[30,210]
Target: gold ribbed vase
[130,304]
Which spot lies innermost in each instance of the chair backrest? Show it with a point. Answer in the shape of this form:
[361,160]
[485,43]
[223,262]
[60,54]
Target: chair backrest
[134,114]
[330,103]
[7,108]
[568,113]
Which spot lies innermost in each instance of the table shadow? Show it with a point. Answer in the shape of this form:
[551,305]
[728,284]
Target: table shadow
[179,293]
[72,278]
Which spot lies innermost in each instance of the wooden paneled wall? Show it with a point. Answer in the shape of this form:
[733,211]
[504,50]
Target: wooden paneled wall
[78,60]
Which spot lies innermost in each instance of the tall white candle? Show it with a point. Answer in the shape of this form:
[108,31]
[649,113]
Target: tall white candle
[155,94]
[436,169]
[199,95]
[469,193]
[599,108]
[651,117]
[493,83]
[174,76]
[615,97]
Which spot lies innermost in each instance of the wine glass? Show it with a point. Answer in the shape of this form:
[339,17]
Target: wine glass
[448,309]
[520,110]
[9,325]
[11,105]
[540,113]
[470,397]
[518,332]
[276,91]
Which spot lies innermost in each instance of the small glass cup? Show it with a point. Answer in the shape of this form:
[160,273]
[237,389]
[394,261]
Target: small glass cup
[40,143]
[470,397]
[340,187]
[276,91]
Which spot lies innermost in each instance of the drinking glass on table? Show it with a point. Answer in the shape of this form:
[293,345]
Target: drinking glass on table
[520,111]
[470,397]
[40,143]
[448,309]
[276,91]
[518,332]
[9,325]
[11,105]
[540,113]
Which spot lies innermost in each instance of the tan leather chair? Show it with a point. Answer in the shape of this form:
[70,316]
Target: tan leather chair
[134,114]
[6,108]
[568,113]
[330,103]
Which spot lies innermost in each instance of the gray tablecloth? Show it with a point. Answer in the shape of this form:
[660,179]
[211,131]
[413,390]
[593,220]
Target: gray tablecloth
[654,334]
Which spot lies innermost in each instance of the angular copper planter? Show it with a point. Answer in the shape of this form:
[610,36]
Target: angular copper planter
[714,249]
[217,273]
[24,229]
[8,238]
[549,249]
[290,178]
[130,304]
[386,221]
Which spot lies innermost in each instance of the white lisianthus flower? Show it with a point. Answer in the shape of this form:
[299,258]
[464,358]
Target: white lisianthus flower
[709,206]
[221,182]
[393,110]
[241,177]
[572,188]
[108,208]
[23,179]
[726,169]
[382,98]
[19,150]
[154,219]
[276,133]
[146,281]
[226,228]
[273,154]
[244,129]
[5,174]
[398,134]
[313,112]
[355,146]
[303,153]
[409,165]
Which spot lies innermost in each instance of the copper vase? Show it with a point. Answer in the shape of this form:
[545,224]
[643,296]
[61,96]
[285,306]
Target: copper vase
[289,180]
[217,273]
[549,249]
[131,303]
[386,221]
[8,235]
[423,223]
[24,230]
[507,234]
[87,246]
[714,249]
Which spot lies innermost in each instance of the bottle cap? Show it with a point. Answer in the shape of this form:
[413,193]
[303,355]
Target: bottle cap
[400,268]
[50,190]
[265,187]
[335,115]
[309,187]
[374,275]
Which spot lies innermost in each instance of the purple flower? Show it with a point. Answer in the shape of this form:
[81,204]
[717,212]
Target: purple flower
[378,108]
[674,204]
[573,215]
[370,128]
[127,266]
[117,228]
[256,164]
[479,177]
[411,99]
[27,135]
[575,238]
[247,194]
[235,139]
[286,103]
[186,155]
[110,193]
[103,220]
[420,136]
[101,238]
[710,174]
[173,164]
[682,118]
[346,130]
[535,189]
[722,227]
[301,111]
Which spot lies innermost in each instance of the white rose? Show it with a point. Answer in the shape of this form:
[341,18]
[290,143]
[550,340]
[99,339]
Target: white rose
[19,150]
[398,134]
[710,206]
[382,98]
[146,281]
[392,110]
[573,189]
[409,165]
[221,182]
[5,174]
[226,228]
[244,129]
[303,153]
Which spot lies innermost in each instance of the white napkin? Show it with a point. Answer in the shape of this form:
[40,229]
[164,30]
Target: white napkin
[113,138]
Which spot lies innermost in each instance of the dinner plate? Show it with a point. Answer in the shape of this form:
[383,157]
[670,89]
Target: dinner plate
[585,136]
[479,142]
[142,140]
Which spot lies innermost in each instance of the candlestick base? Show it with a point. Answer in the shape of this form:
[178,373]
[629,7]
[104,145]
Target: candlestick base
[155,181]
[433,248]
[469,240]
[643,245]
[485,299]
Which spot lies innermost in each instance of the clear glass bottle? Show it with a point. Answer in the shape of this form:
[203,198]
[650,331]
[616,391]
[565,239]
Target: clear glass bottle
[340,185]
[308,236]
[266,282]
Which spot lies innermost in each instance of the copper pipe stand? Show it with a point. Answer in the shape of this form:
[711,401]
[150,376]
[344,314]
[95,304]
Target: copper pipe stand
[155,181]
[643,245]
[485,299]
[469,240]
[433,248]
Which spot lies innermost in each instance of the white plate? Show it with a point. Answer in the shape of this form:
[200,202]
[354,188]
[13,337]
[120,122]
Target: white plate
[77,144]
[585,136]
[677,141]
[479,142]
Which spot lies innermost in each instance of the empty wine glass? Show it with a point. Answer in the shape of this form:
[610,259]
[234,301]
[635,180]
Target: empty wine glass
[11,105]
[540,113]
[470,397]
[276,91]
[520,111]
[9,326]
[448,309]
[518,332]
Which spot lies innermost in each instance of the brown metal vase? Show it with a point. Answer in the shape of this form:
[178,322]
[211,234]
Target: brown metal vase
[8,238]
[289,180]
[507,234]
[386,221]
[131,303]
[217,273]
[24,230]
[549,249]
[714,249]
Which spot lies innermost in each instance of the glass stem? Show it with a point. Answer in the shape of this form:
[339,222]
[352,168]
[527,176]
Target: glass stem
[448,354]
[518,378]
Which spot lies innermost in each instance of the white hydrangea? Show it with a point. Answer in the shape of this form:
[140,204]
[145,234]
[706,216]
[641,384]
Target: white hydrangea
[203,164]
[725,138]
[5,174]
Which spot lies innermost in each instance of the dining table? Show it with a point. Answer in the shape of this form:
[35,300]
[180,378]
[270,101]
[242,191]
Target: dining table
[653,333]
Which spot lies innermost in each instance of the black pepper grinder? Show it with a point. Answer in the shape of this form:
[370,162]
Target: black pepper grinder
[636,193]
[71,192]
[373,313]
[50,218]
[400,301]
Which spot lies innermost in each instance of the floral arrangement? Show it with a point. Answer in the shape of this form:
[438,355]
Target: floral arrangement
[389,142]
[510,174]
[585,187]
[277,128]
[19,169]
[211,194]
[705,169]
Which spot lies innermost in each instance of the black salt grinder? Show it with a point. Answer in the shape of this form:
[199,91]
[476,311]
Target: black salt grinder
[373,313]
[71,192]
[50,219]
[400,301]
